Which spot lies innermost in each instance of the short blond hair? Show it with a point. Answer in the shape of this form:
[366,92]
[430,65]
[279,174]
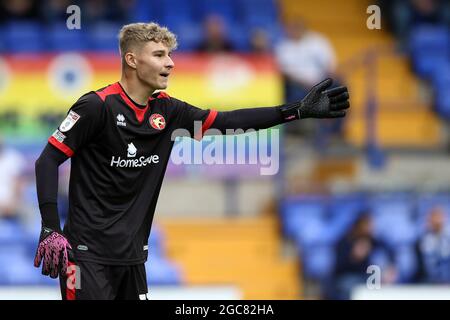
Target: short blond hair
[135,35]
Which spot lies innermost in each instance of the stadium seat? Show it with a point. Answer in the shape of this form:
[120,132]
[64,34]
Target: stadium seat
[146,10]
[317,261]
[162,272]
[103,37]
[156,241]
[23,37]
[430,48]
[59,38]
[441,83]
[344,210]
[267,8]
[184,13]
[189,34]
[224,8]
[429,38]
[239,36]
[16,265]
[2,41]
[300,213]
[393,219]
[426,64]
[406,263]
[11,232]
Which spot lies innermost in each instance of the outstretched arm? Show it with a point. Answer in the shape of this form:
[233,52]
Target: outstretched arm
[318,103]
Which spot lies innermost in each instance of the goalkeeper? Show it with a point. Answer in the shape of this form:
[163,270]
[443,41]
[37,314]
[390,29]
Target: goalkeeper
[119,139]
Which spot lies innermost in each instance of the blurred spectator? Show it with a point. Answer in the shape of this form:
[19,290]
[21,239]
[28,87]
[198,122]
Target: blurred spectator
[259,41]
[215,39]
[433,250]
[403,15]
[12,166]
[355,252]
[305,58]
[13,10]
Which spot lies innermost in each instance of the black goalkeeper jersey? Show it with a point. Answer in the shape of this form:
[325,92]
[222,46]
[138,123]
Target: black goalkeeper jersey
[119,153]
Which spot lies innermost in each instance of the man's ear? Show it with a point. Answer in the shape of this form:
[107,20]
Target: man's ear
[130,60]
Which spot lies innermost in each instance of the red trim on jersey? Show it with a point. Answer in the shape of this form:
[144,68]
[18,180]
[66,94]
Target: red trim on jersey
[70,293]
[209,120]
[137,111]
[161,95]
[116,88]
[61,146]
[207,124]
[111,89]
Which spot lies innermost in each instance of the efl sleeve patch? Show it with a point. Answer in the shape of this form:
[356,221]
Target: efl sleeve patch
[59,136]
[69,121]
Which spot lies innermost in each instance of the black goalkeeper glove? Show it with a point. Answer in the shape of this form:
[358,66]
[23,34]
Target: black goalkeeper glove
[319,103]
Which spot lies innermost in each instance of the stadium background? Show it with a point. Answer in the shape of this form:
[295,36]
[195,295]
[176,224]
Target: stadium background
[226,230]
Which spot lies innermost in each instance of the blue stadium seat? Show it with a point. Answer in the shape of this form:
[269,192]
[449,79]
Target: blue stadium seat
[156,241]
[426,64]
[16,265]
[344,211]
[430,48]
[23,37]
[299,213]
[239,37]
[162,272]
[317,261]
[59,38]
[184,13]
[258,7]
[2,41]
[429,38]
[189,35]
[224,8]
[393,219]
[441,83]
[406,263]
[104,37]
[11,232]
[146,11]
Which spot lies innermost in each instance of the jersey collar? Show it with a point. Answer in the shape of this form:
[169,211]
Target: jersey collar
[139,112]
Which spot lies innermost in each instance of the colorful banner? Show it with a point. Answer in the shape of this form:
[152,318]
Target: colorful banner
[32,84]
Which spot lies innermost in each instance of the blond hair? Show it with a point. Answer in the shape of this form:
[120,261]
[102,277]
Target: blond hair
[135,35]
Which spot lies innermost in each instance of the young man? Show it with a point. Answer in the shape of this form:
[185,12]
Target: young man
[119,139]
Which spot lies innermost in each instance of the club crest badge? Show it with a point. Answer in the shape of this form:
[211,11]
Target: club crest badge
[157,121]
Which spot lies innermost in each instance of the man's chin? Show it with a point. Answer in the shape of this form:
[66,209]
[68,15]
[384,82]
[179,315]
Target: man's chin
[162,86]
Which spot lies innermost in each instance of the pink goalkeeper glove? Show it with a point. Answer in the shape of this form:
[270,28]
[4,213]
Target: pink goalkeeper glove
[53,251]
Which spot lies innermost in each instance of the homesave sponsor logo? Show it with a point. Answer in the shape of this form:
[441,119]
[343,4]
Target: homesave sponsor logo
[134,163]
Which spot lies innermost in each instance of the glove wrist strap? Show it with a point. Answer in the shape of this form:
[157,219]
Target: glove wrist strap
[291,111]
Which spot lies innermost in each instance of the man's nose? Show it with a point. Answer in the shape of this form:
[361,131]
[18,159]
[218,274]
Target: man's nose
[170,64]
